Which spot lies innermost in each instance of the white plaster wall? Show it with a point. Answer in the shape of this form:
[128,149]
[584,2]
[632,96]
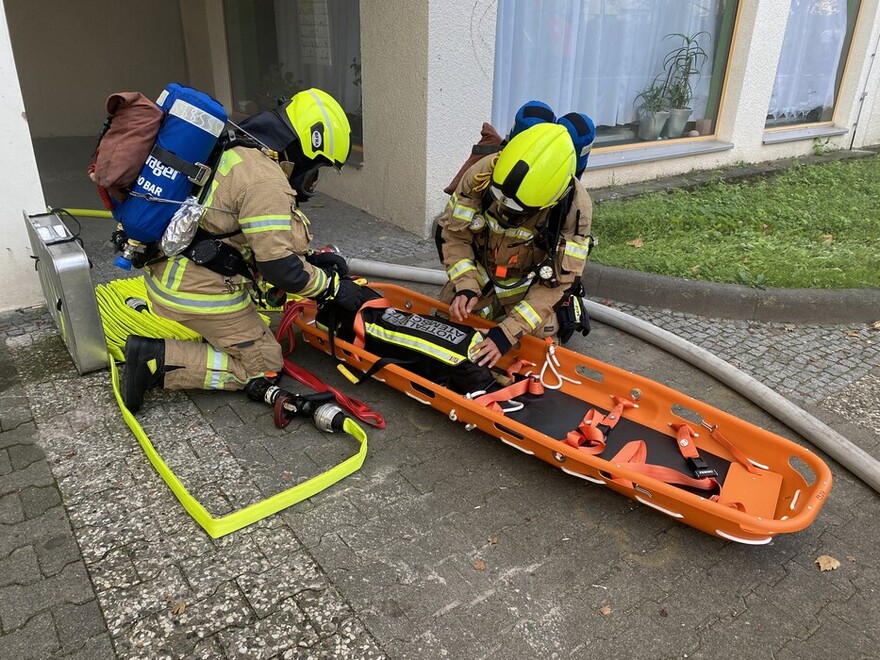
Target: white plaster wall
[866,118]
[19,186]
[394,60]
[461,65]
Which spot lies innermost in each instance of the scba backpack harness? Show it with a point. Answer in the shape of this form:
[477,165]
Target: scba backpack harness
[178,139]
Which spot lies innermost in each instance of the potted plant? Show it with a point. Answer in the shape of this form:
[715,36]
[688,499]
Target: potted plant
[276,85]
[682,65]
[652,112]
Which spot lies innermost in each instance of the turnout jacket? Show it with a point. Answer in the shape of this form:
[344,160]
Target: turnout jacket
[250,194]
[508,255]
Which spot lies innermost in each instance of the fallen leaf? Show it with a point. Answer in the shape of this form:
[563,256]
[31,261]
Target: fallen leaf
[480,565]
[179,608]
[492,540]
[853,333]
[664,613]
[790,328]
[696,269]
[765,229]
[850,558]
[827,239]
[875,325]
[605,610]
[827,563]
[636,242]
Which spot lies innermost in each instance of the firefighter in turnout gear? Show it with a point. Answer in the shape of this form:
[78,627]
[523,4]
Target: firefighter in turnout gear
[252,224]
[514,238]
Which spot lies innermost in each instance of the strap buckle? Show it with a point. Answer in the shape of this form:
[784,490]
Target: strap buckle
[700,468]
[202,175]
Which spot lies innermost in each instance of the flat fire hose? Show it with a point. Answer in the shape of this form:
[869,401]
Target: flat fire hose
[119,321]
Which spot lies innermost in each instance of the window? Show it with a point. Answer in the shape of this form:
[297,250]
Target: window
[644,71]
[278,48]
[811,64]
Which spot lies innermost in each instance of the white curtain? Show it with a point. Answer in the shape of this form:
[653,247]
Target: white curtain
[807,70]
[593,56]
[318,41]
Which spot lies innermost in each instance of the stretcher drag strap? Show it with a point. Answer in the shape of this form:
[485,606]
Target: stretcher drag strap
[595,426]
[286,331]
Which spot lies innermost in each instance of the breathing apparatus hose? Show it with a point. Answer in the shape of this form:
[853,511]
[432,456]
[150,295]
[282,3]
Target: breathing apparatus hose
[853,458]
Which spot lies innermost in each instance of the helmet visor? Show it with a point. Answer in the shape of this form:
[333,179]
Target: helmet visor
[508,203]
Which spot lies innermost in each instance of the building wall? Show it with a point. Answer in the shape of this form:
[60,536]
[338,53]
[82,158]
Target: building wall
[461,65]
[759,35]
[77,54]
[866,114]
[19,186]
[394,61]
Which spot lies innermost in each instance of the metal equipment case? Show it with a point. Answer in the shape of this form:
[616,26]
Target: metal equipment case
[67,286]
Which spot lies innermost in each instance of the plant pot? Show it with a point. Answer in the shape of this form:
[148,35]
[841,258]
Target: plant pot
[651,123]
[678,118]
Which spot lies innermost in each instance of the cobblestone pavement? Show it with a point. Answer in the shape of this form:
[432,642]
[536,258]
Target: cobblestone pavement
[445,543]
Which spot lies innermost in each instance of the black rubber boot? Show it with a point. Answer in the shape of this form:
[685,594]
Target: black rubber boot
[144,369]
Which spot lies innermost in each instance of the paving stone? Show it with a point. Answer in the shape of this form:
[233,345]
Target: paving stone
[5,462]
[11,510]
[56,552]
[23,455]
[176,630]
[20,567]
[37,639]
[20,602]
[76,624]
[295,573]
[22,434]
[35,531]
[35,474]
[286,629]
[36,500]
[96,648]
[14,411]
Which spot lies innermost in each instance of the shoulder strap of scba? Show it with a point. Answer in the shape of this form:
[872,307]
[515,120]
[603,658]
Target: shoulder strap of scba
[547,237]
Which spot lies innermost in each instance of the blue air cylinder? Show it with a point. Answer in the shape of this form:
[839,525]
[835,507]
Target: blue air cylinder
[193,123]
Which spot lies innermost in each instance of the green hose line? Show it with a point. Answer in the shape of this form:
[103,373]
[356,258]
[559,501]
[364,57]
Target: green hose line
[90,213]
[120,321]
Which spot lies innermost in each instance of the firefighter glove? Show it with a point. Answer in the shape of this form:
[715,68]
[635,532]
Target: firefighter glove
[330,261]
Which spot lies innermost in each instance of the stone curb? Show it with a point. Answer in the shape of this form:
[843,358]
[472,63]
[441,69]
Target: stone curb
[732,301]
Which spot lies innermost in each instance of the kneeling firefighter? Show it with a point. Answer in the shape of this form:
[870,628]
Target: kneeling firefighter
[514,239]
[252,223]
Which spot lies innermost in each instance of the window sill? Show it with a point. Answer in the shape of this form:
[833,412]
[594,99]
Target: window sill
[647,154]
[802,133]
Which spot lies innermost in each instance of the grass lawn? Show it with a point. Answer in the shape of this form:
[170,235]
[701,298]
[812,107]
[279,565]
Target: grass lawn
[814,226]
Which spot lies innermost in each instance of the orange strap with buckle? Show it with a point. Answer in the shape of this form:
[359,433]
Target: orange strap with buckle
[594,427]
[634,454]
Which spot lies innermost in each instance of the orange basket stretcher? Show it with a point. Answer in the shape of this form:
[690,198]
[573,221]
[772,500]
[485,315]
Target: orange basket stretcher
[649,442]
